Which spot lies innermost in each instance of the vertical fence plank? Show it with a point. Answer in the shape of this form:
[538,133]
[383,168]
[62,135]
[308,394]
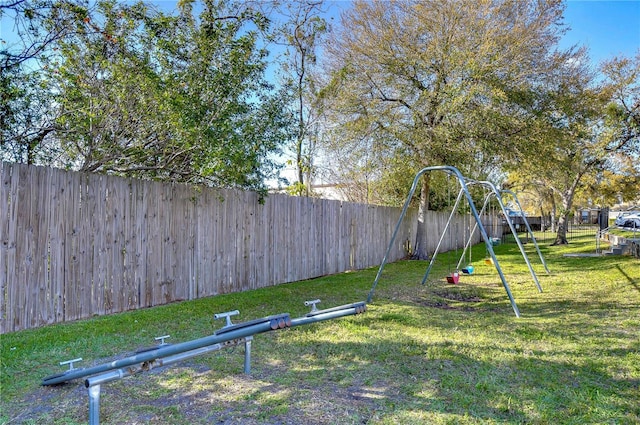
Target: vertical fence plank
[57,244]
[83,249]
[138,242]
[68,204]
[97,212]
[40,300]
[24,235]
[205,258]
[5,202]
[183,224]
[113,247]
[153,243]
[166,211]
[273,240]
[214,241]
[9,284]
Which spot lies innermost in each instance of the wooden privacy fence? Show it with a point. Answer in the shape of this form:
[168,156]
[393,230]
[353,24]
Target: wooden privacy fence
[74,245]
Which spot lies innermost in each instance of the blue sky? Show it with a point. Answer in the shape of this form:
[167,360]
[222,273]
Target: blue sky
[606,27]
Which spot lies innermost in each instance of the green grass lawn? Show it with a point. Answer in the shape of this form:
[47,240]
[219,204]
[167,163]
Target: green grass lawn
[436,354]
[629,234]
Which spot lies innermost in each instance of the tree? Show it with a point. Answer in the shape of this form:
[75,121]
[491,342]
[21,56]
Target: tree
[181,98]
[300,34]
[33,38]
[615,183]
[443,80]
[586,129]
[26,121]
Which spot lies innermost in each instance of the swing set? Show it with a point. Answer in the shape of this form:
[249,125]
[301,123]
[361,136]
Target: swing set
[479,226]
[494,192]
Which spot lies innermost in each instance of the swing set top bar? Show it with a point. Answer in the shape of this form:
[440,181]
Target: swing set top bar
[463,185]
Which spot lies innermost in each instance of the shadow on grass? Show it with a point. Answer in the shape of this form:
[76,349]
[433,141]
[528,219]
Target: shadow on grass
[400,380]
[633,282]
[400,364]
[422,354]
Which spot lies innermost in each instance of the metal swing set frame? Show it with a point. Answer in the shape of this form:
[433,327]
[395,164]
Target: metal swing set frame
[479,226]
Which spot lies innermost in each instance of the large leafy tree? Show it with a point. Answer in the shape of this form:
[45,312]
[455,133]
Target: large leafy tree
[448,82]
[171,97]
[179,97]
[587,131]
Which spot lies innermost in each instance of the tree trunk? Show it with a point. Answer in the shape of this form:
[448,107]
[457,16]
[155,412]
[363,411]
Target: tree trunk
[563,222]
[561,235]
[553,215]
[420,251]
[299,164]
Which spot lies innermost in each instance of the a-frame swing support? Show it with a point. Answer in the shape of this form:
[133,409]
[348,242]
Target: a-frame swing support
[526,223]
[453,171]
[496,193]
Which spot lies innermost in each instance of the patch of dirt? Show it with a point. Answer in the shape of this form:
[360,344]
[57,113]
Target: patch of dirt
[192,393]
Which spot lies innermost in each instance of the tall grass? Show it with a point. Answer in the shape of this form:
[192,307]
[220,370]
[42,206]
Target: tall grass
[437,353]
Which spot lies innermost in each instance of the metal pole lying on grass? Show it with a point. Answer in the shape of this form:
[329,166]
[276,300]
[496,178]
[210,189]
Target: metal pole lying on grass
[330,313]
[229,333]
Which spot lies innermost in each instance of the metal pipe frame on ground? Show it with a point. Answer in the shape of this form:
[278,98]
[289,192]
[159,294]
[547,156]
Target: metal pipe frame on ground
[165,355]
[226,334]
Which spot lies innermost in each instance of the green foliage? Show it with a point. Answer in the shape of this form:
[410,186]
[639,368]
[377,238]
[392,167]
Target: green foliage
[23,116]
[297,189]
[444,83]
[393,183]
[181,98]
[586,145]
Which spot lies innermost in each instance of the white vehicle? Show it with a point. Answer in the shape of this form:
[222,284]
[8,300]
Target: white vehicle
[629,219]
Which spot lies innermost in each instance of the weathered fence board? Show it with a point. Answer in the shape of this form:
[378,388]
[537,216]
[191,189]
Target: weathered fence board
[73,245]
